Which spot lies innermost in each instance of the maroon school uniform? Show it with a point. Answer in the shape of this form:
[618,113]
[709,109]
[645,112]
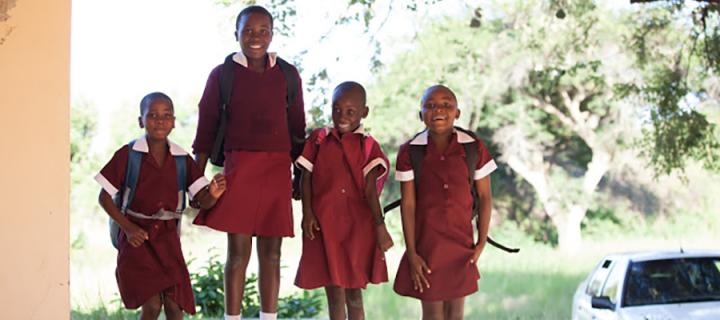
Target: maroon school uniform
[345,251]
[257,150]
[443,210]
[158,264]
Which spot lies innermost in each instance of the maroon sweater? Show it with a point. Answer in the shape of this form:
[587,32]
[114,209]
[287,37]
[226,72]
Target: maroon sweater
[257,116]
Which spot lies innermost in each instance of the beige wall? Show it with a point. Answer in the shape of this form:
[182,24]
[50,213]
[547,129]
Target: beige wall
[34,146]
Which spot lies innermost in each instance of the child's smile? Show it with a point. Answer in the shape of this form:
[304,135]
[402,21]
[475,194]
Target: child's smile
[348,109]
[439,109]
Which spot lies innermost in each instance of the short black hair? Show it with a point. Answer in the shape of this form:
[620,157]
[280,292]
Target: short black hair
[433,88]
[253,9]
[347,86]
[148,99]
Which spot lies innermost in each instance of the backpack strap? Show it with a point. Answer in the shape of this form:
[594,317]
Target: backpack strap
[471,156]
[181,172]
[132,172]
[227,76]
[417,154]
[367,145]
[127,190]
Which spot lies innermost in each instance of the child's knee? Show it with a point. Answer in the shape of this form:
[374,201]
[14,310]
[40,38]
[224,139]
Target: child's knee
[172,309]
[236,261]
[270,256]
[354,298]
[151,308]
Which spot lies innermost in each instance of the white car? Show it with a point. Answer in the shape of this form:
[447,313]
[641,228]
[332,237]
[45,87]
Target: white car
[651,286]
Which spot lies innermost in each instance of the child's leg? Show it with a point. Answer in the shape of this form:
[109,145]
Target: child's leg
[454,309]
[432,310]
[238,255]
[172,310]
[353,298]
[269,276]
[336,302]
[151,308]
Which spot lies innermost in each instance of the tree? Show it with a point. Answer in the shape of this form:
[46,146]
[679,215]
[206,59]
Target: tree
[550,91]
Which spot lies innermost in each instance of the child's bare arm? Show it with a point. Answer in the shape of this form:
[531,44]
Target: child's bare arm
[483,221]
[201,159]
[418,267]
[310,224]
[207,197]
[384,241]
[135,235]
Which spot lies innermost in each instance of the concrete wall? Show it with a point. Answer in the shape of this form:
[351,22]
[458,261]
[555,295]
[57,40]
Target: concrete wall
[34,170]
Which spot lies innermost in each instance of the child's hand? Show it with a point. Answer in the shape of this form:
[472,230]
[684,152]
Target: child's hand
[476,253]
[384,241]
[135,235]
[218,185]
[418,269]
[310,225]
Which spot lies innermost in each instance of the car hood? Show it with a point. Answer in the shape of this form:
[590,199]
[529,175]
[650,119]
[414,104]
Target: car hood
[695,311]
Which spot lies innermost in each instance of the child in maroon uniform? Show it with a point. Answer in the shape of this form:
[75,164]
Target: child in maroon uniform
[439,264]
[345,235]
[151,271]
[257,160]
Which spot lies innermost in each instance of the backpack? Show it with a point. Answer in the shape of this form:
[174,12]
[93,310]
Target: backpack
[124,197]
[227,74]
[417,153]
[366,145]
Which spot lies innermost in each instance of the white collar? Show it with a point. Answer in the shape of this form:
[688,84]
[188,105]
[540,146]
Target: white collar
[141,145]
[422,137]
[241,59]
[360,130]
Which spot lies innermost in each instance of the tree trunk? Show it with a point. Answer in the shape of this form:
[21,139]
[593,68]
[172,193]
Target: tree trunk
[568,228]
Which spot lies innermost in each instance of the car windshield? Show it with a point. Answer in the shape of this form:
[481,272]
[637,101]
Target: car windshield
[672,281]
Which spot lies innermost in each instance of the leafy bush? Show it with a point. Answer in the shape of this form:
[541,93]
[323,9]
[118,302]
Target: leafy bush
[305,304]
[208,287]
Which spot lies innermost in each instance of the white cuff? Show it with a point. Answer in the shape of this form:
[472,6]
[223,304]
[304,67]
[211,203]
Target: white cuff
[106,185]
[404,175]
[197,186]
[485,170]
[374,163]
[305,163]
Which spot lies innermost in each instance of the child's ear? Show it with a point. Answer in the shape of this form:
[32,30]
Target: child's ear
[140,122]
[457,116]
[365,112]
[420,115]
[235,34]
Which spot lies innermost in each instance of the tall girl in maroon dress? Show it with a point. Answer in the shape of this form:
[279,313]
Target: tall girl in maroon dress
[257,160]
[151,271]
[344,233]
[439,264]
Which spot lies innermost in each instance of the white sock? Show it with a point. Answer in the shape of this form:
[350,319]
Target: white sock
[237,317]
[268,316]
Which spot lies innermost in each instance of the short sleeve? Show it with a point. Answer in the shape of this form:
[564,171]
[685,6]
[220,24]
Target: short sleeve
[112,176]
[309,154]
[485,164]
[196,179]
[376,158]
[403,168]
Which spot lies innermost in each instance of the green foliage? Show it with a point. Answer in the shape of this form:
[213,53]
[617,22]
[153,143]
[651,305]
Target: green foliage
[678,131]
[305,304]
[208,287]
[115,311]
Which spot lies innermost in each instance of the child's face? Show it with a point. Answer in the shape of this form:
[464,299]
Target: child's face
[158,119]
[254,32]
[439,110]
[347,110]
